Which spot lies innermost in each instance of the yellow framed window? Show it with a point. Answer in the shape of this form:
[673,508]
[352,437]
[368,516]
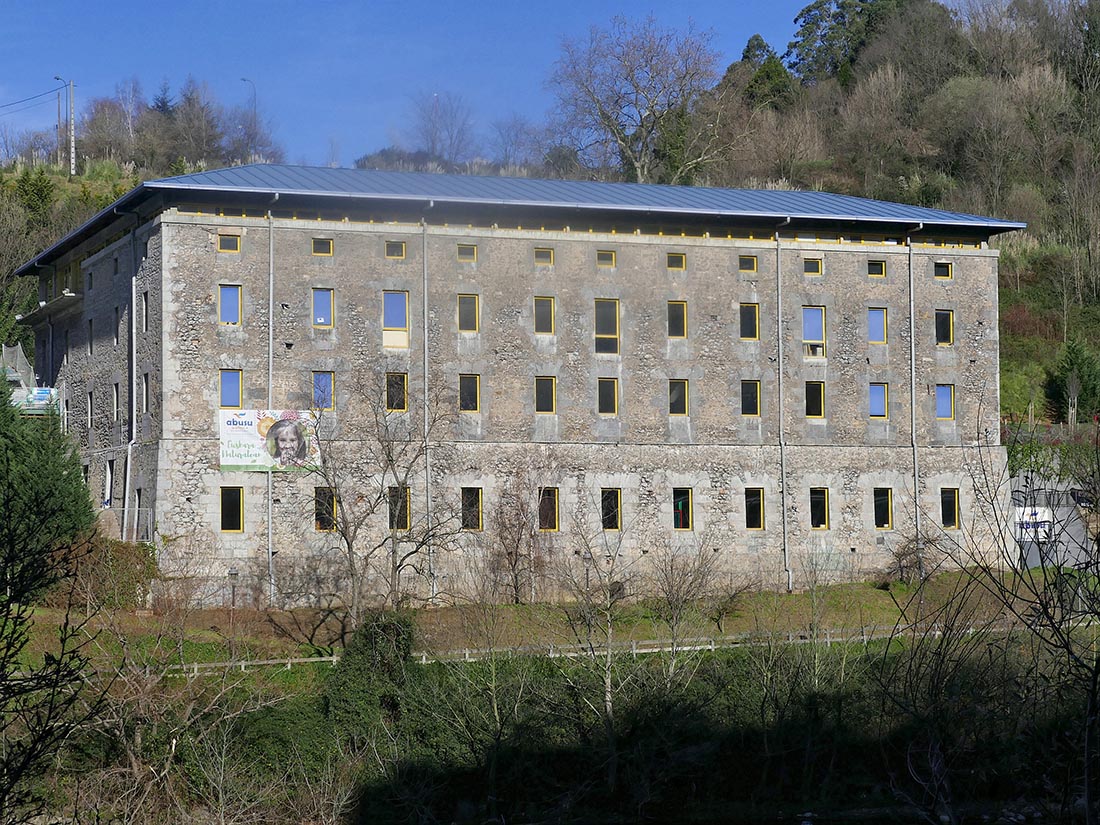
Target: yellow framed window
[467,253]
[749,319]
[819,508]
[813,331]
[945,402]
[322,247]
[607,325]
[876,325]
[605,258]
[682,508]
[232,509]
[544,316]
[943,270]
[812,266]
[469,393]
[230,389]
[468,313]
[324,304]
[746,263]
[754,508]
[677,319]
[548,509]
[611,508]
[395,319]
[395,250]
[471,508]
[678,396]
[884,508]
[879,400]
[676,261]
[544,256]
[949,508]
[229,304]
[945,327]
[399,505]
[815,399]
[324,509]
[750,398]
[876,269]
[397,391]
[229,243]
[607,396]
[545,394]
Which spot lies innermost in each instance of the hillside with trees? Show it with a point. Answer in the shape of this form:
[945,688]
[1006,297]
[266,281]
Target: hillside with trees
[983,106]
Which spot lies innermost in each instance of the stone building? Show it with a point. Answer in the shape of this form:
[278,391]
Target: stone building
[796,380]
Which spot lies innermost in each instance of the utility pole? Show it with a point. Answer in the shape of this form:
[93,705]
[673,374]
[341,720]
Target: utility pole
[251,141]
[59,127]
[72,126]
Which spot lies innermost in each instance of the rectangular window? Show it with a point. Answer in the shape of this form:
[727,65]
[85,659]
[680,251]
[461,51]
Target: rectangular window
[607,396]
[230,392]
[395,250]
[611,514]
[324,390]
[876,269]
[943,270]
[605,258]
[884,508]
[229,304]
[677,396]
[677,319]
[544,257]
[607,325]
[469,393]
[681,508]
[812,266]
[232,509]
[145,312]
[397,391]
[750,398]
[88,410]
[399,501]
[467,253]
[323,305]
[471,508]
[815,399]
[949,507]
[395,319]
[945,401]
[545,391]
[544,316]
[750,322]
[819,508]
[945,327]
[468,320]
[324,509]
[754,508]
[116,326]
[676,260]
[813,332]
[879,400]
[145,392]
[229,243]
[114,403]
[548,508]
[322,247]
[746,263]
[876,325]
[91,336]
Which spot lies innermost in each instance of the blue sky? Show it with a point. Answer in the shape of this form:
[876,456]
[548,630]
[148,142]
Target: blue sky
[334,77]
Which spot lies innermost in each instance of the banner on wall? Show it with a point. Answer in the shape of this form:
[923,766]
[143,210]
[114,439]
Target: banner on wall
[268,440]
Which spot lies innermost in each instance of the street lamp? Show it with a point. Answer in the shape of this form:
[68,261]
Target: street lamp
[72,125]
[252,125]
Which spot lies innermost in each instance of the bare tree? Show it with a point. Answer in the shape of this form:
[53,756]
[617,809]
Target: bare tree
[443,126]
[638,97]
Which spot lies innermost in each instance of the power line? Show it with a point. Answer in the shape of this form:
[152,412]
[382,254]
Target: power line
[25,108]
[32,97]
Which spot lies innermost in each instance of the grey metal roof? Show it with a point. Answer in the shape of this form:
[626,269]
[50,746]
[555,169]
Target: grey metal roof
[531,192]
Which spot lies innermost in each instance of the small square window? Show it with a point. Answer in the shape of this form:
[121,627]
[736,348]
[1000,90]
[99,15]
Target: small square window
[607,396]
[545,392]
[324,509]
[605,258]
[468,320]
[746,263]
[876,325]
[945,327]
[754,508]
[819,508]
[544,316]
[607,325]
[945,402]
[611,513]
[229,243]
[678,396]
[395,250]
[471,508]
[324,390]
[397,391]
[813,332]
[322,247]
[548,508]
[677,319]
[230,389]
[323,308]
[229,304]
[232,509]
[812,266]
[750,398]
[750,322]
[467,253]
[876,269]
[544,257]
[879,400]
[681,508]
[469,393]
[677,261]
[884,508]
[949,508]
[399,504]
[815,399]
[943,270]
